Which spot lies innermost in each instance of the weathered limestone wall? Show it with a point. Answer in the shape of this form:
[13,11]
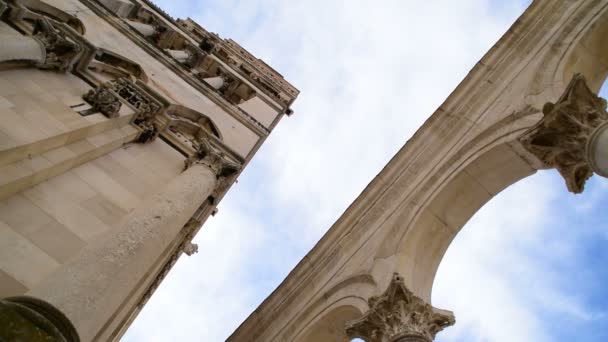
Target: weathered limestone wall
[45,225]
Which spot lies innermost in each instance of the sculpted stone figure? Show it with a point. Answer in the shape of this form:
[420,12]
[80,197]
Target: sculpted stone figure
[104,101]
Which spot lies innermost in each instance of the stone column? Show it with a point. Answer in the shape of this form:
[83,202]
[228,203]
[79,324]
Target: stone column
[399,316]
[90,289]
[572,136]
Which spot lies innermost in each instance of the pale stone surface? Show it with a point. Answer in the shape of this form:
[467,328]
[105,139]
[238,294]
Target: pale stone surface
[21,257]
[96,116]
[90,288]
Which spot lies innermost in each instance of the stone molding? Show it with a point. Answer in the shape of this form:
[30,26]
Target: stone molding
[399,315]
[560,139]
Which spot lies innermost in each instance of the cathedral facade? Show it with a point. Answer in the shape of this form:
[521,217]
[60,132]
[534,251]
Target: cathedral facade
[121,129]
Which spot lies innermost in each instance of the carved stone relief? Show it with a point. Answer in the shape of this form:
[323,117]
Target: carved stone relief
[560,139]
[60,50]
[214,158]
[398,315]
[103,100]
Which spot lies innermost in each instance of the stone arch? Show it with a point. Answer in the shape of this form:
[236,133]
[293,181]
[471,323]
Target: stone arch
[469,150]
[329,324]
[494,159]
[580,46]
[325,322]
[491,163]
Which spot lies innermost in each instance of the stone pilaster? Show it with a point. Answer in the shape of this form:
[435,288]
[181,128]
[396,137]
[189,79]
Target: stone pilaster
[399,316]
[560,140]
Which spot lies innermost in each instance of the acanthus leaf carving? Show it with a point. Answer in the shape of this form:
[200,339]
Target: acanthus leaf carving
[60,50]
[215,159]
[560,139]
[398,314]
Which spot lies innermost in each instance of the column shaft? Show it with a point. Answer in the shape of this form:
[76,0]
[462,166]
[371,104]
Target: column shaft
[90,288]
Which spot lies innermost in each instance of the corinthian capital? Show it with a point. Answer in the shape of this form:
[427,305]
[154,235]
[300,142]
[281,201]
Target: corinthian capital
[398,316]
[213,158]
[60,50]
[560,139]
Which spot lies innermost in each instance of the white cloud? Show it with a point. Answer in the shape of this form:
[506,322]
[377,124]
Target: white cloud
[370,74]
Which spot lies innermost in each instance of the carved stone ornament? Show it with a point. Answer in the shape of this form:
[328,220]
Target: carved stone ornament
[560,139]
[102,99]
[60,51]
[146,106]
[130,92]
[190,248]
[398,315]
[213,158]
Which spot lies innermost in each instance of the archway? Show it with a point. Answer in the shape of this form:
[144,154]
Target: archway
[468,151]
[529,264]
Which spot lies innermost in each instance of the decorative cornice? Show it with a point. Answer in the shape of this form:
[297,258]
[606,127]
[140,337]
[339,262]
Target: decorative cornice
[398,314]
[265,78]
[178,68]
[560,139]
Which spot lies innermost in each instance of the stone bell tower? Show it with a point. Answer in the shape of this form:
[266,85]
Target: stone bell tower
[120,131]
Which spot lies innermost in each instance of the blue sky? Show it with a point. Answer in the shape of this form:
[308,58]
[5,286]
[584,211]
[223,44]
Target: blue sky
[529,266]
